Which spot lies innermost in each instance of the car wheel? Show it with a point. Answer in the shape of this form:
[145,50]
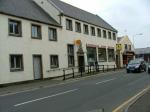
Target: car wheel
[128,71]
[140,70]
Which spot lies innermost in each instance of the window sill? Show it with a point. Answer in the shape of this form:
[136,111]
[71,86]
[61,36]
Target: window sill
[38,38]
[53,40]
[69,29]
[15,35]
[16,70]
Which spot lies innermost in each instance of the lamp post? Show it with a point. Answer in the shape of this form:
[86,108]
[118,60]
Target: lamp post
[134,37]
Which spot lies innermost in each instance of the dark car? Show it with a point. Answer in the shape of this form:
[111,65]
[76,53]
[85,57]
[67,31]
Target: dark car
[136,65]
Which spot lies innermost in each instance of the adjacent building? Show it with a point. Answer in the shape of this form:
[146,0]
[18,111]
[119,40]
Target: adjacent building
[143,53]
[127,51]
[39,37]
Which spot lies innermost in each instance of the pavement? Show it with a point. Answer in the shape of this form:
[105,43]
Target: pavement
[99,93]
[142,104]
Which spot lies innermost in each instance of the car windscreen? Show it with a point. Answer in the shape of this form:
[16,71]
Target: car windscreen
[134,62]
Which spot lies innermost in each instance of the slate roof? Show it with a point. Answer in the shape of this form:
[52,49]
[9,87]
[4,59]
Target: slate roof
[26,9]
[82,15]
[119,39]
[142,50]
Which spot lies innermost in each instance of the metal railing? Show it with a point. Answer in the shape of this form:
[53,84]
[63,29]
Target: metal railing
[86,70]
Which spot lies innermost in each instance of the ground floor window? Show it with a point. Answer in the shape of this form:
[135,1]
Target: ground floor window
[102,55]
[91,55]
[54,61]
[16,63]
[111,55]
[71,61]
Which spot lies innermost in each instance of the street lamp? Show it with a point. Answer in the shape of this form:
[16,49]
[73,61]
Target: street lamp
[134,37]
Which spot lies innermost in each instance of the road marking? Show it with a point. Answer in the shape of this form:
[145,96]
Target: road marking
[105,81]
[132,99]
[39,99]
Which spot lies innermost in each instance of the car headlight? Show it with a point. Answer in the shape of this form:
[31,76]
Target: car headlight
[137,66]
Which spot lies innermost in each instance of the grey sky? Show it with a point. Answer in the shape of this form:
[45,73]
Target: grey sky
[129,17]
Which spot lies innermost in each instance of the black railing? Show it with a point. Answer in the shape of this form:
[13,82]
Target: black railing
[86,70]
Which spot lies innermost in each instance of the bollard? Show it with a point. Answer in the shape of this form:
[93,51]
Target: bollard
[73,73]
[107,68]
[81,71]
[64,75]
[103,68]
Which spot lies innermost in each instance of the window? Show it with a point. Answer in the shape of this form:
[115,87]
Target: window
[92,31]
[111,55]
[109,35]
[52,34]
[98,32]
[78,27]
[54,61]
[69,24]
[104,34]
[114,36]
[36,32]
[86,29]
[102,54]
[14,28]
[16,63]
[71,56]
[130,47]
[91,55]
[125,46]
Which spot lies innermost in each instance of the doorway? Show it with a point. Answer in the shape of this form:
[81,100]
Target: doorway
[81,63]
[37,67]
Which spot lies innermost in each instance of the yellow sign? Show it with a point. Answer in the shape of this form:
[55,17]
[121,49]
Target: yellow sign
[78,42]
[118,47]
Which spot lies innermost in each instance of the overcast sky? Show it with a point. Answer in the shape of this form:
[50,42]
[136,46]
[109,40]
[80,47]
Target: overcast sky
[129,17]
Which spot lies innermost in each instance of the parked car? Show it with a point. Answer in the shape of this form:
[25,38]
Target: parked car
[136,65]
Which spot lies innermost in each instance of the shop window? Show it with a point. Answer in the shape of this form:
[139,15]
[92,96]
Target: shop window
[111,55]
[102,55]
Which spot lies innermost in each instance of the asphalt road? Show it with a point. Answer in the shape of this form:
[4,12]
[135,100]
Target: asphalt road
[87,95]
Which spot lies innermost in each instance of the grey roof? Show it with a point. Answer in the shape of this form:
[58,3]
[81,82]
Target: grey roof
[26,9]
[119,39]
[82,15]
[142,50]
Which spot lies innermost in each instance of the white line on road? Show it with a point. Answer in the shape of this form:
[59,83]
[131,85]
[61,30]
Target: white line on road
[105,81]
[39,99]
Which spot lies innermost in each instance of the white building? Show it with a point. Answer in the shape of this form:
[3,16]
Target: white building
[41,35]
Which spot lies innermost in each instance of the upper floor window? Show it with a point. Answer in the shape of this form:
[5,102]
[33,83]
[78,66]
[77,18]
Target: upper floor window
[130,47]
[114,36]
[36,31]
[16,63]
[92,31]
[78,27]
[52,34]
[86,29]
[15,28]
[69,24]
[109,35]
[54,61]
[104,34]
[125,46]
[98,32]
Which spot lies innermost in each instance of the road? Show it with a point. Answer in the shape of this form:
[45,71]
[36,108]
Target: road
[86,95]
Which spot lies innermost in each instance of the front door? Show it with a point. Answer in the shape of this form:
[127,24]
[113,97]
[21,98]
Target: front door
[37,67]
[81,63]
